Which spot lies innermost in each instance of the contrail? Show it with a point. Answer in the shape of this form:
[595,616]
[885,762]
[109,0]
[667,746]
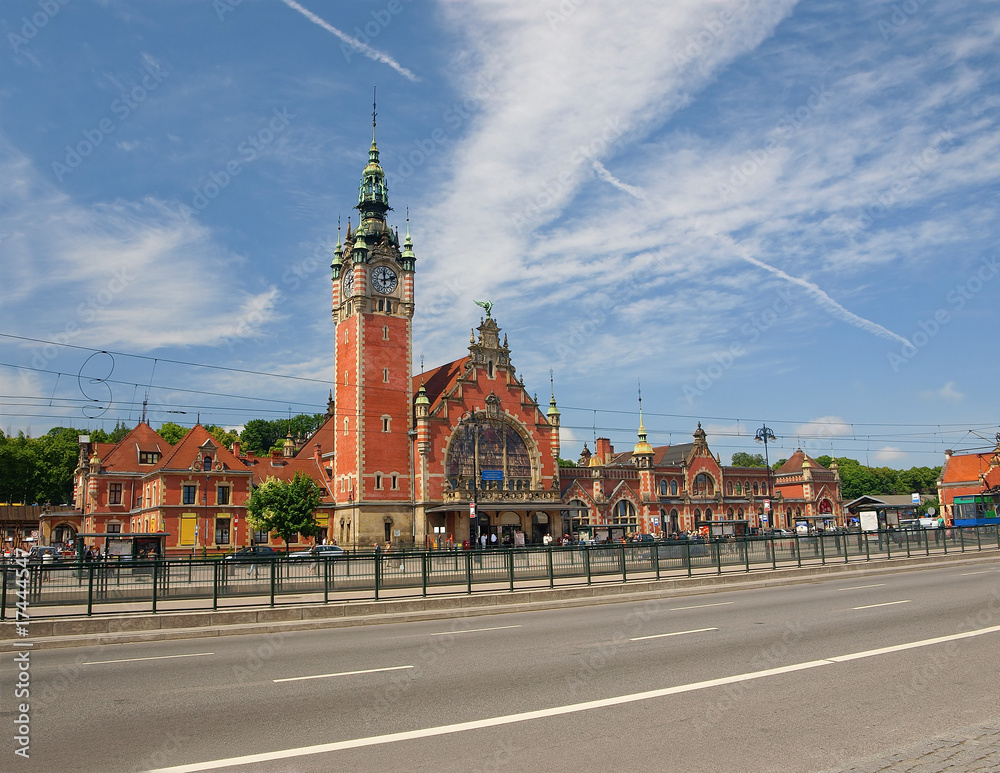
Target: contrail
[814,290]
[832,306]
[367,50]
[605,175]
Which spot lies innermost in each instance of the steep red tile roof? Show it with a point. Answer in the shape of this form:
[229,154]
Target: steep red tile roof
[439,380]
[123,456]
[963,468]
[190,449]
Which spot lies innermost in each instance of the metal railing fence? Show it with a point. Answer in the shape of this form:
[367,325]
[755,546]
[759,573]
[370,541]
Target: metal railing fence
[83,588]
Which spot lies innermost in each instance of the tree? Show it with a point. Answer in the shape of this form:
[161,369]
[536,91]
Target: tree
[259,436]
[284,508]
[744,459]
[566,462]
[226,437]
[172,432]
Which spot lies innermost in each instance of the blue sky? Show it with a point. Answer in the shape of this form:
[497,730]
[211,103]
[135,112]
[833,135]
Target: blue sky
[781,215]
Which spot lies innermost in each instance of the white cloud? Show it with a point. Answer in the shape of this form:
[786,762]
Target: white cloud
[888,456]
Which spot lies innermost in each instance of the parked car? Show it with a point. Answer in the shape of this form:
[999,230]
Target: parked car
[38,552]
[253,553]
[782,533]
[320,551]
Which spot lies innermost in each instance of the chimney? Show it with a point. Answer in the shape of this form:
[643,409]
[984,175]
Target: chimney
[604,449]
[317,452]
[236,448]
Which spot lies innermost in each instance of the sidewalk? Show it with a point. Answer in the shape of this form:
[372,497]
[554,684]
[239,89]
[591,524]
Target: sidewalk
[52,631]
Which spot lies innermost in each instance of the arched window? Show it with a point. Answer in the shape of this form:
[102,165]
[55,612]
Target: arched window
[755,489]
[663,488]
[763,488]
[697,514]
[490,446]
[708,513]
[703,485]
[739,489]
[207,463]
[673,488]
[729,488]
[729,513]
[739,512]
[624,512]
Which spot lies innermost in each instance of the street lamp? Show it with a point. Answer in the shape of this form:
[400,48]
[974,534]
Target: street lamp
[474,419]
[764,434]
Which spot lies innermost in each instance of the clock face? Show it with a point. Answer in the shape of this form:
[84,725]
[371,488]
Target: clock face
[384,279]
[349,284]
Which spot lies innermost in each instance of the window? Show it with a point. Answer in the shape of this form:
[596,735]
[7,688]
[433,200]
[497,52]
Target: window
[385,423]
[207,464]
[673,488]
[763,489]
[114,528]
[385,375]
[222,495]
[385,332]
[149,457]
[624,512]
[489,446]
[738,489]
[260,537]
[347,425]
[114,493]
[221,531]
[663,488]
[378,481]
[703,485]
[756,490]
[395,482]
[729,488]
[189,495]
[708,513]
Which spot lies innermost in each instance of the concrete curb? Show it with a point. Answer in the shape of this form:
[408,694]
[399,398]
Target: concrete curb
[48,633]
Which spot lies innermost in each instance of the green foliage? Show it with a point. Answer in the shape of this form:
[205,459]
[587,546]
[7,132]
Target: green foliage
[744,459]
[566,462]
[39,470]
[284,508]
[259,436]
[172,432]
[226,437]
[858,480]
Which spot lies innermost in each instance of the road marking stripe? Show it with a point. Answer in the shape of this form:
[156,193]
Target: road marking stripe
[476,630]
[966,574]
[158,657]
[884,604]
[342,673]
[675,633]
[573,708]
[700,606]
[859,587]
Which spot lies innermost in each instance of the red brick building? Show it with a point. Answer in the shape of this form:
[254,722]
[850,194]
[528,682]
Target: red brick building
[964,474]
[685,488]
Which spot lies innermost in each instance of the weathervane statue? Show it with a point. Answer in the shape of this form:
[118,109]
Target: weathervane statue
[488,305]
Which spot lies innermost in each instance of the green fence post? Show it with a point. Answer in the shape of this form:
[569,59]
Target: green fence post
[868,552]
[798,551]
[745,546]
[718,555]
[510,567]
[687,555]
[274,571]
[423,572]
[3,597]
[979,542]
[468,571]
[927,542]
[216,574]
[586,562]
[552,579]
[621,553]
[377,569]
[774,556]
[888,545]
[656,558]
[90,589]
[155,583]
[327,562]
[961,539]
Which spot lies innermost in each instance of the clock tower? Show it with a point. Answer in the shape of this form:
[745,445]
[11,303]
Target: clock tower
[372,315]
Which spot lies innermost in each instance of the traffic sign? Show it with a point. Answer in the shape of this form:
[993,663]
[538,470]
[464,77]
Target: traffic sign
[472,509]
[916,498]
[767,505]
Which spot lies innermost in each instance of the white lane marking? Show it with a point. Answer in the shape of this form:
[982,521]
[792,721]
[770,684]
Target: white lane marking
[572,708]
[966,574]
[701,606]
[859,587]
[675,633]
[158,657]
[883,604]
[476,630]
[342,673]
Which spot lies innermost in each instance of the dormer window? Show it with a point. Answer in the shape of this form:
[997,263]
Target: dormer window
[207,463]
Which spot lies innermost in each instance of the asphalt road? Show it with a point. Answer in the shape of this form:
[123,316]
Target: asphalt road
[743,681]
